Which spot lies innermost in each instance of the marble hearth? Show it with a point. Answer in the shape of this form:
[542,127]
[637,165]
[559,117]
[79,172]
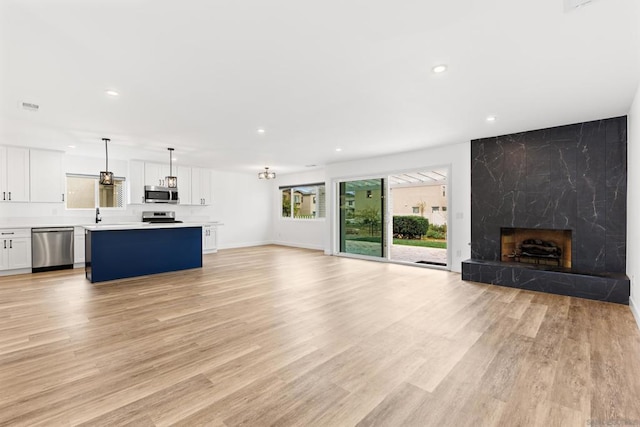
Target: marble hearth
[570,181]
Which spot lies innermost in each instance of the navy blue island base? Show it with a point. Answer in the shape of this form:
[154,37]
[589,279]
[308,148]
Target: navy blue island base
[117,254]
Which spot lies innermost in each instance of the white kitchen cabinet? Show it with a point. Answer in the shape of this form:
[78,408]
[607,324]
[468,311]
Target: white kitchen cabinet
[184,184]
[46,176]
[201,186]
[155,174]
[15,249]
[209,239]
[136,180]
[14,174]
[78,245]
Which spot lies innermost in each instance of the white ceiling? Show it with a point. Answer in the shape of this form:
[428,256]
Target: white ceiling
[202,76]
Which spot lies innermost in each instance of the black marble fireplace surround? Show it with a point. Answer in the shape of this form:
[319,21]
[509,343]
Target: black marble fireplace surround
[571,177]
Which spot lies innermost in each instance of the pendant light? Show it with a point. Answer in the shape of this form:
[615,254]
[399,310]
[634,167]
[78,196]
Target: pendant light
[172,181]
[266,174]
[106,177]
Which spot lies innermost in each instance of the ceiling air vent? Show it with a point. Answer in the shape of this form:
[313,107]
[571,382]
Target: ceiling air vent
[570,5]
[29,106]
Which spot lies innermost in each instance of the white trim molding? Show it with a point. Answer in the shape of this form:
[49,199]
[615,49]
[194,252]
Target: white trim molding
[635,310]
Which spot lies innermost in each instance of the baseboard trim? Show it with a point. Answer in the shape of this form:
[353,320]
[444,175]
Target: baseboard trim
[299,245]
[244,245]
[635,311]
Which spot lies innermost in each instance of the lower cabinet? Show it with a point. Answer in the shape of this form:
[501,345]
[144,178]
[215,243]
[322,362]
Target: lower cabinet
[15,249]
[78,245]
[209,239]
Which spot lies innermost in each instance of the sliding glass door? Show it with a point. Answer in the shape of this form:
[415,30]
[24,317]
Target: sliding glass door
[362,217]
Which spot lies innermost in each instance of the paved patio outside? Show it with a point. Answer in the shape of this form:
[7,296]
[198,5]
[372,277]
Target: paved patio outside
[403,253]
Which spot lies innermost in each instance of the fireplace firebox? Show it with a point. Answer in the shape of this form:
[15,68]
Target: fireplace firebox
[536,246]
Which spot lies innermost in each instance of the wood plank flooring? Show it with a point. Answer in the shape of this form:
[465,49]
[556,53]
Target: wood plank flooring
[281,336]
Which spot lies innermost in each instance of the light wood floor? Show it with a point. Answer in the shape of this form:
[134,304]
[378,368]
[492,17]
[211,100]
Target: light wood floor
[282,336]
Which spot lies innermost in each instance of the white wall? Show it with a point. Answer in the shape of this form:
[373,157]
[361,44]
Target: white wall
[633,205]
[457,157]
[244,205]
[302,233]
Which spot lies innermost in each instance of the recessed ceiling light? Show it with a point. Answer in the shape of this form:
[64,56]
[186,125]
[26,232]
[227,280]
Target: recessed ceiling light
[439,68]
[111,92]
[261,130]
[491,118]
[71,146]
[338,149]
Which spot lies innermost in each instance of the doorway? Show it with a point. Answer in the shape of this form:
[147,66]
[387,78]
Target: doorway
[362,217]
[401,217]
[418,207]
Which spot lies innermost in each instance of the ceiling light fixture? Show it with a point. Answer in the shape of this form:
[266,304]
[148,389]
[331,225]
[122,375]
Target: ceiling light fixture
[71,146]
[441,68]
[172,181]
[261,130]
[266,174]
[111,92]
[106,177]
[491,118]
[338,149]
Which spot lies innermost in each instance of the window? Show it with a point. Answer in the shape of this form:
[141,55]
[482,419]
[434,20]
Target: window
[86,192]
[286,203]
[303,201]
[435,209]
[416,209]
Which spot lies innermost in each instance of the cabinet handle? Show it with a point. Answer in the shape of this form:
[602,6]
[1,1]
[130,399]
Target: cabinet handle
[63,197]
[7,233]
[4,195]
[9,195]
[5,244]
[10,244]
[142,199]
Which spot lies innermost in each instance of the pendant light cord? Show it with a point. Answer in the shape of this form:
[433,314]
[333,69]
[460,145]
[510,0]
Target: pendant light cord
[106,153]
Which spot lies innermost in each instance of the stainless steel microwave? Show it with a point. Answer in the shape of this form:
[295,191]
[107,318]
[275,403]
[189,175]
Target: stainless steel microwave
[154,194]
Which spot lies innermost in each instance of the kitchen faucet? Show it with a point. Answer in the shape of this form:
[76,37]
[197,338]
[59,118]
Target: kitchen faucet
[98,217]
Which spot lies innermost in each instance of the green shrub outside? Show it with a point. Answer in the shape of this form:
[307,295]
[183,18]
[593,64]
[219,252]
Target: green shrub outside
[410,226]
[437,231]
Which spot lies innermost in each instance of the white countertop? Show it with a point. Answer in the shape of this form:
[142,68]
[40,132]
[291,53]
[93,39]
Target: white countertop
[144,225]
[109,226]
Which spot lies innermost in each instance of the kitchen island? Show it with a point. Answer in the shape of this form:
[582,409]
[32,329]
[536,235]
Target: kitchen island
[117,251]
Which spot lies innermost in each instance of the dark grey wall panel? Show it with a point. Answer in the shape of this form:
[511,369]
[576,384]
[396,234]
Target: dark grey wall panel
[569,177]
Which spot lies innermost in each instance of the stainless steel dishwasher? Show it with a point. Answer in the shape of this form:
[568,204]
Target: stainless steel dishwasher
[51,248]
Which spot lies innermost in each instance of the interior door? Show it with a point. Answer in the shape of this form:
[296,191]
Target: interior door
[362,217]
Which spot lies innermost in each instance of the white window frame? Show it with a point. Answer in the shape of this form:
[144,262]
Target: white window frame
[96,195]
[292,201]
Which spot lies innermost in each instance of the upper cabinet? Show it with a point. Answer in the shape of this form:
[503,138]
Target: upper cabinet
[14,174]
[201,186]
[47,177]
[184,184]
[155,174]
[136,182]
[194,184]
